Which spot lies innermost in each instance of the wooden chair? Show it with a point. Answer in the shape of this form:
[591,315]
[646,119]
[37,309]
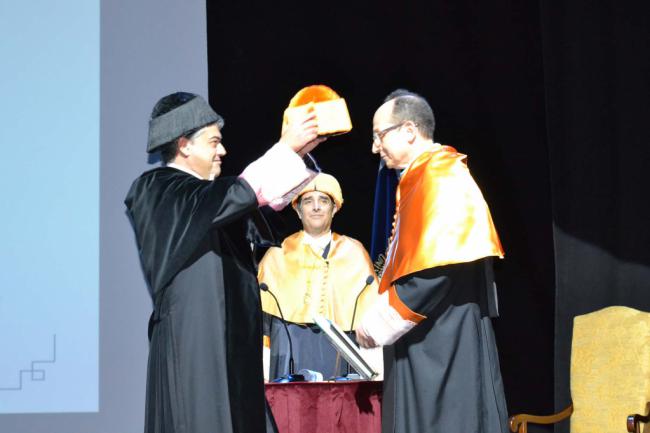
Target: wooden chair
[610,374]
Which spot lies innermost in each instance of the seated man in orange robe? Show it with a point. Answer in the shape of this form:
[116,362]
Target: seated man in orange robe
[315,271]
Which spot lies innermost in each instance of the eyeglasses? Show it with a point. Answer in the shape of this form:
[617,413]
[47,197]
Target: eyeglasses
[378,136]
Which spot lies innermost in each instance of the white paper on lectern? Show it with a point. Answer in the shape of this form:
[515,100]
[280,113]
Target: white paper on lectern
[345,347]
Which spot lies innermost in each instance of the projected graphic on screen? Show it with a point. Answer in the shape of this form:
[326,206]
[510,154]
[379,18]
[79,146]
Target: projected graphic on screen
[36,372]
[49,230]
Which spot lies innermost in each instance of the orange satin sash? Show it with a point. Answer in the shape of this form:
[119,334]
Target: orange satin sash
[441,217]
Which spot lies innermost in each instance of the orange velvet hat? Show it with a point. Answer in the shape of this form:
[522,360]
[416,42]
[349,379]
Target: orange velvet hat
[331,109]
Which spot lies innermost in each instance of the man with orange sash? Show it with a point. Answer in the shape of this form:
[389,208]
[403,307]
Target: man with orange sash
[315,271]
[437,291]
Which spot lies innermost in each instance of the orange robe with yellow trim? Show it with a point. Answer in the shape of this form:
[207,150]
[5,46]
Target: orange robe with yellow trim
[443,374]
[441,217]
[306,284]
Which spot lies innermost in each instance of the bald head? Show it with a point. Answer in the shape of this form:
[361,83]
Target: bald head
[405,105]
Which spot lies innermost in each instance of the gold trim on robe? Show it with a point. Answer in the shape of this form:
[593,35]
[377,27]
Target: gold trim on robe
[306,284]
[441,217]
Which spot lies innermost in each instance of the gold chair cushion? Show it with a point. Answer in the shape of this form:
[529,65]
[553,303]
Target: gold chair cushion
[610,369]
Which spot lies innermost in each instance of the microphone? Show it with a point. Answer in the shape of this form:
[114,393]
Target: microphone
[291,377]
[369,280]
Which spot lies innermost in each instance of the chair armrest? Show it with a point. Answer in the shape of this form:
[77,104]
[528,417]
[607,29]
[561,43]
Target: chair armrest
[634,421]
[519,423]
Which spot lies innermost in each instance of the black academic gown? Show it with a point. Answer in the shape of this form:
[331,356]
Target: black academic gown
[204,372]
[443,375]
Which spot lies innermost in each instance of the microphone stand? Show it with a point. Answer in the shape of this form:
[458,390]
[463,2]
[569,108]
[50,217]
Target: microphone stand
[349,375]
[291,377]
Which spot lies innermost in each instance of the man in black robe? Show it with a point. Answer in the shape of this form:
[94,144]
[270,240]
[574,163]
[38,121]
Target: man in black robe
[195,233]
[437,292]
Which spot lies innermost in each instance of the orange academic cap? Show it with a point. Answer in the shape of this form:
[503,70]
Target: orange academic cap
[331,110]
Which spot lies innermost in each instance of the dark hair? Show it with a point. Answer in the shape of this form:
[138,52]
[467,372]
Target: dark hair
[169,150]
[413,107]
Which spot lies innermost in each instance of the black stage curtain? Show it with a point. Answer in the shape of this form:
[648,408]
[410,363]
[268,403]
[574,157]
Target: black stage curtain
[597,83]
[549,99]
